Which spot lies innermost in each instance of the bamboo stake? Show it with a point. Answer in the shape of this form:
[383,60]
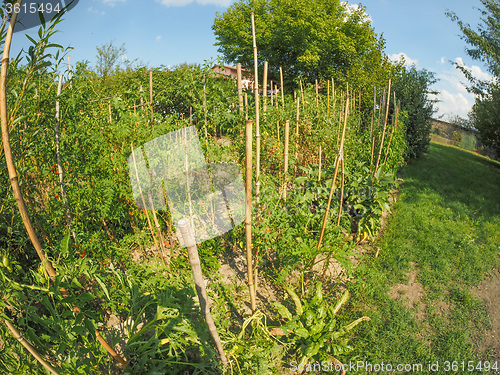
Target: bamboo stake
[383,130]
[70,73]
[337,162]
[109,111]
[14,180]
[257,120]
[166,259]
[282,89]
[64,196]
[319,169]
[302,94]
[327,98]
[276,91]
[248,217]
[372,135]
[278,130]
[240,91]
[151,95]
[287,138]
[264,86]
[194,259]
[17,335]
[246,106]
[341,191]
[394,126]
[142,197]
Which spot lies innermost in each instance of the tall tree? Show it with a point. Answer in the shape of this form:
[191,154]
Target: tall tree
[107,58]
[412,87]
[308,38]
[483,45]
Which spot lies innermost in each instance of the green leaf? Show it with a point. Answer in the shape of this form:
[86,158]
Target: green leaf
[64,245]
[103,286]
[284,312]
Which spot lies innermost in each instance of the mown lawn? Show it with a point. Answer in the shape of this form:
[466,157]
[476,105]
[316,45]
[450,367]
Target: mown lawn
[442,239]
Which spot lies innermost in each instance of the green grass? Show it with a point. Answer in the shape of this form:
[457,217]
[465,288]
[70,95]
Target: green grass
[446,228]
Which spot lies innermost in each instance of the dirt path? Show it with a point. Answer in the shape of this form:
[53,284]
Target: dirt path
[488,291]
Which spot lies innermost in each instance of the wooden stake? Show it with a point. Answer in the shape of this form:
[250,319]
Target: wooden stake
[69,218]
[240,90]
[394,126]
[14,179]
[143,200]
[282,89]
[194,260]
[319,162]
[248,217]
[264,86]
[70,74]
[257,121]
[327,98]
[332,189]
[383,130]
[246,106]
[287,138]
[341,191]
[109,110]
[17,335]
[276,91]
[151,95]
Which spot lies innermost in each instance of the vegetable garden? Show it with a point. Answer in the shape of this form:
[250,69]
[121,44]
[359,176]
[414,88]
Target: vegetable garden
[96,293]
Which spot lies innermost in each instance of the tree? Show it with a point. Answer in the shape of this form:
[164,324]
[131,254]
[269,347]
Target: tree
[483,46]
[314,39]
[107,58]
[412,87]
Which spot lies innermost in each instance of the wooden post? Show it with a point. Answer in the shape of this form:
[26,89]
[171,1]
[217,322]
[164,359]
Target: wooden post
[337,162]
[327,98]
[272,92]
[109,110]
[319,169]
[194,260]
[70,74]
[276,91]
[240,91]
[257,120]
[248,216]
[60,170]
[151,95]
[246,106]
[282,89]
[385,127]
[264,86]
[287,139]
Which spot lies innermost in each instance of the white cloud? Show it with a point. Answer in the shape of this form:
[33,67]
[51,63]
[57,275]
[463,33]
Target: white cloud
[352,8]
[442,61]
[180,3]
[158,38]
[112,3]
[453,95]
[95,11]
[475,70]
[408,61]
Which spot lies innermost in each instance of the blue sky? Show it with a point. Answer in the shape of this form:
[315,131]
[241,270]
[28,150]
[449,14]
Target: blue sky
[171,32]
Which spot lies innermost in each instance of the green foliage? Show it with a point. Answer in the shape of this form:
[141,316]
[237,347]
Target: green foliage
[412,88]
[312,326]
[310,39]
[483,46]
[485,114]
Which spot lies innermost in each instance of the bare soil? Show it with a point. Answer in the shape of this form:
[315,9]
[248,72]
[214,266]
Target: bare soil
[488,291]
